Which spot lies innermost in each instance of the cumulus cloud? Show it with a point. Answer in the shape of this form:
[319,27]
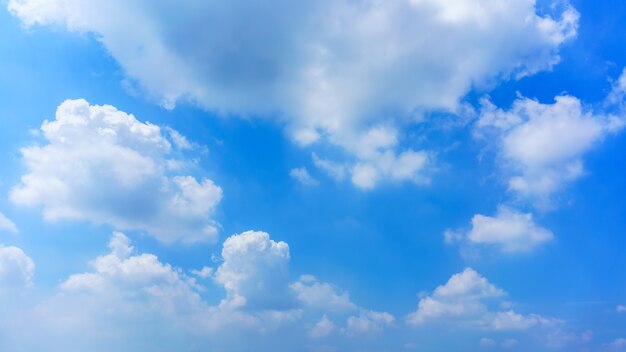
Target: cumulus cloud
[509,231]
[255,271]
[16,269]
[331,70]
[104,165]
[7,225]
[469,298]
[124,290]
[542,145]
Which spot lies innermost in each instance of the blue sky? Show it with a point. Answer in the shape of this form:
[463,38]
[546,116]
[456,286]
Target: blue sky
[321,176]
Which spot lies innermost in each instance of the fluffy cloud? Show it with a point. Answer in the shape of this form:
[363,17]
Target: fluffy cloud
[542,145]
[331,70]
[460,296]
[16,269]
[103,165]
[321,295]
[509,231]
[469,298]
[7,225]
[255,271]
[125,290]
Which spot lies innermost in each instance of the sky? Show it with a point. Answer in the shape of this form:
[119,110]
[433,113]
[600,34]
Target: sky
[347,175]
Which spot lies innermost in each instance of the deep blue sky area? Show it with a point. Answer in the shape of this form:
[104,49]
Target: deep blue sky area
[382,246]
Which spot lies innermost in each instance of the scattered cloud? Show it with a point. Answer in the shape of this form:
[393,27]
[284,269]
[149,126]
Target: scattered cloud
[302,175]
[321,295]
[509,231]
[621,309]
[322,328]
[103,165]
[542,145]
[16,269]
[368,322]
[7,225]
[468,298]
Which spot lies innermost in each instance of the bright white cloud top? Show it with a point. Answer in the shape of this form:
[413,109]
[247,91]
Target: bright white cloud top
[542,145]
[127,289]
[508,231]
[468,298]
[103,165]
[330,70]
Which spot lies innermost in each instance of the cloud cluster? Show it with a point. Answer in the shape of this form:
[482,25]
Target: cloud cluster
[103,165]
[329,70]
[542,145]
[469,298]
[125,290]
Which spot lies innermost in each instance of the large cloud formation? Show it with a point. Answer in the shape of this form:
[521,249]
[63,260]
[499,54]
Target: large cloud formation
[103,165]
[330,70]
[129,296]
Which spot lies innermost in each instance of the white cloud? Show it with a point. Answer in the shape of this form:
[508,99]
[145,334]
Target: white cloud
[330,71]
[460,296]
[302,175]
[618,93]
[368,322]
[103,165]
[255,271]
[322,328]
[470,299]
[621,309]
[509,230]
[321,295]
[16,269]
[7,225]
[134,301]
[542,145]
[510,320]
